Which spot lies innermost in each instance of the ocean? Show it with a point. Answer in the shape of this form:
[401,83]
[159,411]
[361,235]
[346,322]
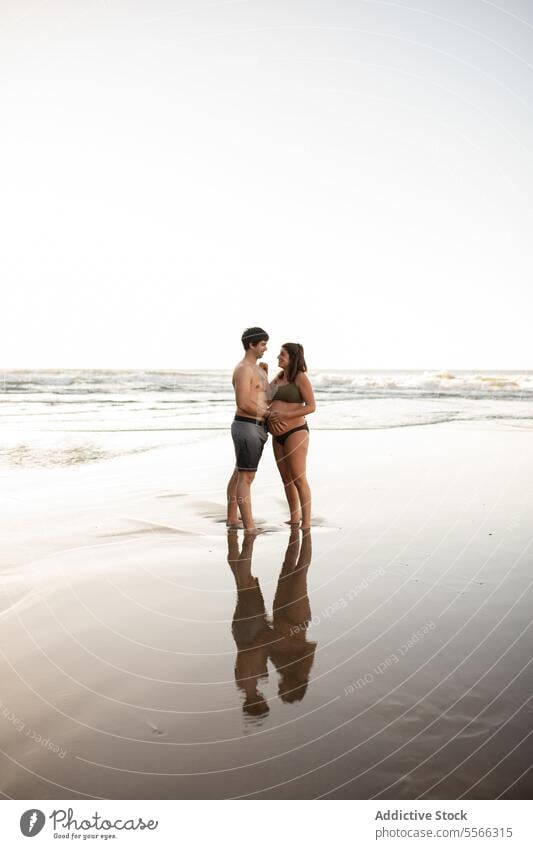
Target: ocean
[62,417]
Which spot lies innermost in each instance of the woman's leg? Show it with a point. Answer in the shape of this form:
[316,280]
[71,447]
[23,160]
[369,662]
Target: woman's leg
[295,455]
[291,492]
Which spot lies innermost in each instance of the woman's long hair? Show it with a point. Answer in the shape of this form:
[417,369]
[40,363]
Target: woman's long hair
[296,359]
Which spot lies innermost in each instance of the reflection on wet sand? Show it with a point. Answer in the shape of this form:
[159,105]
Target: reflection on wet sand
[291,652]
[283,639]
[251,630]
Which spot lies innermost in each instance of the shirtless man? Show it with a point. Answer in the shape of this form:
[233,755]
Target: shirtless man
[248,429]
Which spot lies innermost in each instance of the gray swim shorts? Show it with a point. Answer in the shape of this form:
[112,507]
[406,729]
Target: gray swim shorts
[249,439]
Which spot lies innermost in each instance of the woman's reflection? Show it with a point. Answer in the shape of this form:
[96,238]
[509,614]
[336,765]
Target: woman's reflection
[291,652]
[284,640]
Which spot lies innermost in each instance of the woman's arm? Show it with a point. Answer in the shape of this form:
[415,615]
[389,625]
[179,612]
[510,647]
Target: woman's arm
[274,382]
[273,385]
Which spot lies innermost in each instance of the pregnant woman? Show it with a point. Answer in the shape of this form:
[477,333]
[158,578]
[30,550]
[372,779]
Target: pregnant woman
[292,399]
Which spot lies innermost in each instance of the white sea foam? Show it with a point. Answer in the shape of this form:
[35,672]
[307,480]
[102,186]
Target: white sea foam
[463,383]
[67,418]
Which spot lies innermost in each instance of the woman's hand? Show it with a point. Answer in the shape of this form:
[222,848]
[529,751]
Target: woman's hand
[276,423]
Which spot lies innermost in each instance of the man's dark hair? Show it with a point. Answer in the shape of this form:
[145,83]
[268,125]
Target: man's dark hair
[253,335]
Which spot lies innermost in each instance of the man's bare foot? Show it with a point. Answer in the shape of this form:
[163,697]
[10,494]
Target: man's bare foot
[295,524]
[234,525]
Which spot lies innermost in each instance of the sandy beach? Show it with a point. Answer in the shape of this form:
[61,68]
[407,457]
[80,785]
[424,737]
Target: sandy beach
[147,654]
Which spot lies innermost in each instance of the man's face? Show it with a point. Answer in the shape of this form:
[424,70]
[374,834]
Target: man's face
[259,349]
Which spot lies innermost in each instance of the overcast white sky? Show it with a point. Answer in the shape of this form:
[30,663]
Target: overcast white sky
[354,176]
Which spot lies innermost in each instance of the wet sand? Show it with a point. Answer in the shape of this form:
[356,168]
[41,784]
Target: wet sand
[147,653]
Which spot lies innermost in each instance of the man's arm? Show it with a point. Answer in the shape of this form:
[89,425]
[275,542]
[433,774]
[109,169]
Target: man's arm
[243,394]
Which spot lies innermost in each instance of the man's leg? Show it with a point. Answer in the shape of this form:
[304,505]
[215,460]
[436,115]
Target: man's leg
[233,510]
[244,500]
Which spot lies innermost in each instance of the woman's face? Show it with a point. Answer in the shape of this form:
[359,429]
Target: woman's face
[283,358]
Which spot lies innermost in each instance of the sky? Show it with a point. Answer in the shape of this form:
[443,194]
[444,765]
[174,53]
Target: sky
[353,175]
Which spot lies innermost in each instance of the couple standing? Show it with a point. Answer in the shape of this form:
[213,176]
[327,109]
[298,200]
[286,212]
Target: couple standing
[278,407]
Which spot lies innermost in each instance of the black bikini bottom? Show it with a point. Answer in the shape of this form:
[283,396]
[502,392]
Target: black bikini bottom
[283,436]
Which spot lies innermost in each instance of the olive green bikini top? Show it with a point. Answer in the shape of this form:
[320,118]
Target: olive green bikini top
[288,392]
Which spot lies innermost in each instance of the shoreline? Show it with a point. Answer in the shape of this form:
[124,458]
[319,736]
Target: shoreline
[123,639]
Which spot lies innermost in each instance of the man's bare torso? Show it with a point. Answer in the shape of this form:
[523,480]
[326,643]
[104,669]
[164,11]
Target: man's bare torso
[257,383]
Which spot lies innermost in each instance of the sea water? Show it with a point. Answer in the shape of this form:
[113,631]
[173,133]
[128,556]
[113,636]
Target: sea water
[64,417]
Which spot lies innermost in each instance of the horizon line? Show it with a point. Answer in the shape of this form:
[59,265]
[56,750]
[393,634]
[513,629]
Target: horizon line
[230,368]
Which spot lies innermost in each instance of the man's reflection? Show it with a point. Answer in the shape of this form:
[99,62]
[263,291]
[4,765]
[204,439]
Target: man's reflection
[284,640]
[251,630]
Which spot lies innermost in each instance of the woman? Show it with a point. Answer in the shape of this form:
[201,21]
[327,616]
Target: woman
[292,399]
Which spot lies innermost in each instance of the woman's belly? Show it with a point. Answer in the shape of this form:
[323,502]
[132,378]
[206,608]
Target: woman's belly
[285,407]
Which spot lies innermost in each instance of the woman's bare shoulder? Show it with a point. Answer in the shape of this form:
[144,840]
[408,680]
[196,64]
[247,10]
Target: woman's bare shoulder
[302,379]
